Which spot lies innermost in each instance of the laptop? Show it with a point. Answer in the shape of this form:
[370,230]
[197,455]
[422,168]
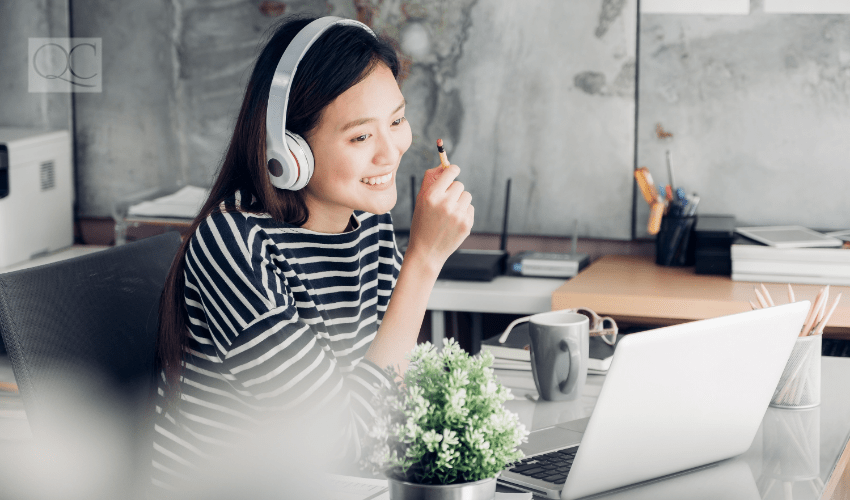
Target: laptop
[674,399]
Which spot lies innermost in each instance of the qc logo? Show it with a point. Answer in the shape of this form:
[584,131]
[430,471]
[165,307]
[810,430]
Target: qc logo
[64,65]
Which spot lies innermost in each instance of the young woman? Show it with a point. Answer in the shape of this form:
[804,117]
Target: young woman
[279,302]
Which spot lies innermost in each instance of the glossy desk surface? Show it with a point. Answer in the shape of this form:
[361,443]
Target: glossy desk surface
[794,455]
[635,289]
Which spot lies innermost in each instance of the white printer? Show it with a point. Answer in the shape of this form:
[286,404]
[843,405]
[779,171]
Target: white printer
[36,193]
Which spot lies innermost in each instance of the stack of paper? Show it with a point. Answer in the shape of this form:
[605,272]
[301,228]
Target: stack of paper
[752,261]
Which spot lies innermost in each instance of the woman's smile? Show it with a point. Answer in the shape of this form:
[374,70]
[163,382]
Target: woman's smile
[379,182]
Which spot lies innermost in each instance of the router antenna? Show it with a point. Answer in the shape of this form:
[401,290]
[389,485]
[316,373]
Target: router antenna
[504,243]
[412,197]
[575,236]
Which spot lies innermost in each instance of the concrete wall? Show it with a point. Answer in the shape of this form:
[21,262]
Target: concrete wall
[542,92]
[759,109]
[174,74]
[537,91]
[19,21]
[758,105]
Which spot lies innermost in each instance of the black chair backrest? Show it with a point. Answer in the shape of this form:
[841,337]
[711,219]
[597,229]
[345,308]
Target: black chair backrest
[95,317]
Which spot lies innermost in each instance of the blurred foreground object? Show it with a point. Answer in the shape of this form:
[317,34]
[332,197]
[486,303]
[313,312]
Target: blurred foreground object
[80,335]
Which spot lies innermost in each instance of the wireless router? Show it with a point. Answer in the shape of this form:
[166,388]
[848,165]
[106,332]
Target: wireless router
[549,264]
[480,265]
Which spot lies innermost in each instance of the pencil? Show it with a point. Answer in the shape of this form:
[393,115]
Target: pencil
[760,298]
[790,293]
[752,304]
[813,312]
[828,315]
[444,160]
[767,295]
[821,312]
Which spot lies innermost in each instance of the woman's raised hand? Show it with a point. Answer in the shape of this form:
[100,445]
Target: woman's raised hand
[443,217]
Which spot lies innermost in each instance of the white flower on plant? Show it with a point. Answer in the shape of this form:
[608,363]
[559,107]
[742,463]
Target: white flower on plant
[431,439]
[445,422]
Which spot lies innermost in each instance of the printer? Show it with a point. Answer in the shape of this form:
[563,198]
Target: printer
[36,193]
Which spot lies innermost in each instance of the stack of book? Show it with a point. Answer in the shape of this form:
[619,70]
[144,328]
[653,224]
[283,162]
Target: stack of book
[752,261]
[512,363]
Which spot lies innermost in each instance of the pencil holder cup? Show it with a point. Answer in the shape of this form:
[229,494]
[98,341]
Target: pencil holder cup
[673,243]
[799,385]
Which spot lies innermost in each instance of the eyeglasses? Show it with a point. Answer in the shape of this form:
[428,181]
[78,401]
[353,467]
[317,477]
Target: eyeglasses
[597,325]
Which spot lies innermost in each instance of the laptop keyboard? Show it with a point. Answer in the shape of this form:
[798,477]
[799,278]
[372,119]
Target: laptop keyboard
[551,467]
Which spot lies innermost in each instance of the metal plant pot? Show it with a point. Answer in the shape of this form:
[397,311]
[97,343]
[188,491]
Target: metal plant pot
[484,489]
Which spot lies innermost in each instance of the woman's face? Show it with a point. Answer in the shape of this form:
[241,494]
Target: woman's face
[357,147]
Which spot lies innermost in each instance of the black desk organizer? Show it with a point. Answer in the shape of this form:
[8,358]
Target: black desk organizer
[673,243]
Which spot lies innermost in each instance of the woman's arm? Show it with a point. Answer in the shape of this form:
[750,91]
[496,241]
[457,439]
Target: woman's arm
[442,220]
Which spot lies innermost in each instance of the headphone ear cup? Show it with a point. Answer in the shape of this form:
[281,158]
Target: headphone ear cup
[303,157]
[282,169]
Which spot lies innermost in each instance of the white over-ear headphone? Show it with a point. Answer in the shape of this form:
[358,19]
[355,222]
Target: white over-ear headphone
[288,156]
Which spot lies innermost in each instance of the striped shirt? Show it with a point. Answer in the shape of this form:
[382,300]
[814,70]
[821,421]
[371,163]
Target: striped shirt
[280,318]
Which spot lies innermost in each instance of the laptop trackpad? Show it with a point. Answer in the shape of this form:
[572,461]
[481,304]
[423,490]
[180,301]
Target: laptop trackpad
[578,425]
[550,439]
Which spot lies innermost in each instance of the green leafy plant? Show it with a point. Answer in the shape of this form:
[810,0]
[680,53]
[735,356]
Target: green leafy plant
[444,422]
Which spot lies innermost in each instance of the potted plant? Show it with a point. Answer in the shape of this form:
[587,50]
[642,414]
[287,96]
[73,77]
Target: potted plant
[442,427]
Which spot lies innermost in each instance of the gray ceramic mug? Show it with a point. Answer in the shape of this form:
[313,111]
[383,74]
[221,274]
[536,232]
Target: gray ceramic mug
[559,353]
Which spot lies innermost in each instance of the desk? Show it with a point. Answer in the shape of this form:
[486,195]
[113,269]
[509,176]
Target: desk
[505,294]
[821,471]
[827,433]
[635,290]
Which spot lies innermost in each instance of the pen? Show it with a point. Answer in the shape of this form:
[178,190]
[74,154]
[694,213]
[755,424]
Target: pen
[670,171]
[693,202]
[444,160]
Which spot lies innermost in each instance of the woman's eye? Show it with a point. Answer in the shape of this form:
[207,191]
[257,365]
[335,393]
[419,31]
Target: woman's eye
[398,122]
[360,138]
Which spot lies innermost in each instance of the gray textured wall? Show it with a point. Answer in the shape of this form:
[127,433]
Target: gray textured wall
[127,136]
[174,76]
[540,91]
[537,91]
[759,105]
[759,109]
[20,21]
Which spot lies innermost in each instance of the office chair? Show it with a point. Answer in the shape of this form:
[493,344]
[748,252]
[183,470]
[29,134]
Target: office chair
[81,338]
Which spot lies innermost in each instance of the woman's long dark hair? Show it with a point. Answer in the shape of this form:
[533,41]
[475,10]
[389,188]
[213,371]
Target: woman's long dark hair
[339,59]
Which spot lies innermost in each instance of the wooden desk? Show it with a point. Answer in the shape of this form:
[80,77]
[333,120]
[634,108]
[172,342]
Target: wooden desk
[636,290]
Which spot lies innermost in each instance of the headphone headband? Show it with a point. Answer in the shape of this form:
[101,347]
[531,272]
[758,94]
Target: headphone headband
[287,171]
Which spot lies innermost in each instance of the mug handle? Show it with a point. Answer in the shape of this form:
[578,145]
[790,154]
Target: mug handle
[570,346]
[510,327]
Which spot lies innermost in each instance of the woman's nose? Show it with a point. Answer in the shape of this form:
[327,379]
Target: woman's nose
[386,152]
